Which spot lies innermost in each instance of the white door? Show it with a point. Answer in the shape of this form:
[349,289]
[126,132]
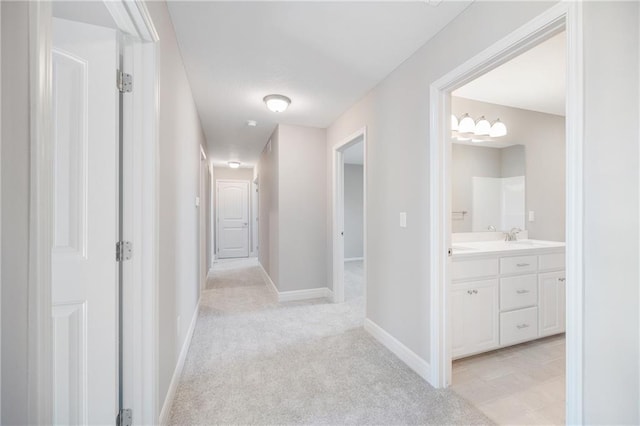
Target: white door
[475,310]
[552,303]
[84,287]
[233,219]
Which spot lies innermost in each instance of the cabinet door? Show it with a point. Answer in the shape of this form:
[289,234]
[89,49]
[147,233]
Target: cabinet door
[551,314]
[475,317]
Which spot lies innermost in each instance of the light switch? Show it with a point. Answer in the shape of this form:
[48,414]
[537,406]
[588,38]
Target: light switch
[403,219]
[197,201]
[532,216]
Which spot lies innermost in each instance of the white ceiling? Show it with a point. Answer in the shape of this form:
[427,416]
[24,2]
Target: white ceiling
[534,80]
[323,55]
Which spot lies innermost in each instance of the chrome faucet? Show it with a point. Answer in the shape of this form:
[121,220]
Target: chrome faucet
[512,235]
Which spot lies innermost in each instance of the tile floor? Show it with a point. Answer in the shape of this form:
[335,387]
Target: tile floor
[522,384]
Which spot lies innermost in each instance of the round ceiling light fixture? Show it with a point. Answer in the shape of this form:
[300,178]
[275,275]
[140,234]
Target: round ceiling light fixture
[234,164]
[277,103]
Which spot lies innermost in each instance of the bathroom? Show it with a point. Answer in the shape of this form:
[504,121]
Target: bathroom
[508,282]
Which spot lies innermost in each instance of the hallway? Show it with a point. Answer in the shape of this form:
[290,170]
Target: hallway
[254,360]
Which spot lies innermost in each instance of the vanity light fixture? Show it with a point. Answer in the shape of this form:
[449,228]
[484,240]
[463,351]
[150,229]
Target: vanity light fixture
[234,164]
[482,130]
[277,103]
[498,129]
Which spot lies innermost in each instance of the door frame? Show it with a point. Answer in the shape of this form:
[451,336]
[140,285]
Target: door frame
[250,226]
[338,213]
[563,16]
[140,211]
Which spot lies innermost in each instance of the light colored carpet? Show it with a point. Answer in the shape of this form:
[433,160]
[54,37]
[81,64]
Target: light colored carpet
[256,361]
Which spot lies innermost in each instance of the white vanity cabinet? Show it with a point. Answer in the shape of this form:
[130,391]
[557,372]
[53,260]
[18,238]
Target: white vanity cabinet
[506,297]
[475,320]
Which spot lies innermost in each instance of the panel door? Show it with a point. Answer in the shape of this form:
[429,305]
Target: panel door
[233,219]
[475,310]
[84,268]
[551,316]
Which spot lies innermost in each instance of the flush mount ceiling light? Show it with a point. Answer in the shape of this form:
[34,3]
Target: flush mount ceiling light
[277,103]
[234,164]
[252,123]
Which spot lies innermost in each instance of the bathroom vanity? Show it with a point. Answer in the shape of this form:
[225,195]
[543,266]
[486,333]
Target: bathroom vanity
[506,292]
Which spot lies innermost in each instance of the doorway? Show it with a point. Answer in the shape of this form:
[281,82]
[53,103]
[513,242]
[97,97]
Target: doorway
[349,218]
[86,173]
[563,17]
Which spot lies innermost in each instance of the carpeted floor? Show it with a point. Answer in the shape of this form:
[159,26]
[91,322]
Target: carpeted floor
[256,361]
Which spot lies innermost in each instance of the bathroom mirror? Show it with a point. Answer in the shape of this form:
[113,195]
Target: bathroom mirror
[488,187]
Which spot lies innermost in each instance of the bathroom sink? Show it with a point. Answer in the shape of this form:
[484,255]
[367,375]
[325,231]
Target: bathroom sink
[462,248]
[528,243]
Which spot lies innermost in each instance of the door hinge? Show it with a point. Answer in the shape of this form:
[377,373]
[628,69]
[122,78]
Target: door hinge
[125,417]
[123,251]
[125,82]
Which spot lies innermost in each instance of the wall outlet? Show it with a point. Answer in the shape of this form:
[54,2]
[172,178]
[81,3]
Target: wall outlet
[532,216]
[403,219]
[197,201]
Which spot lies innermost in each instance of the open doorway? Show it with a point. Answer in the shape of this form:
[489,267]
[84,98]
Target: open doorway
[508,212]
[497,299]
[349,216]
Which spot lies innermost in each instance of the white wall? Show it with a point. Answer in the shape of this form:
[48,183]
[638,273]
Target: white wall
[611,213]
[543,136]
[396,114]
[15,210]
[353,211]
[302,197]
[292,208]
[267,172]
[179,160]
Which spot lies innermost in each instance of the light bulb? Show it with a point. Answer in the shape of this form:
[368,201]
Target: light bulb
[466,125]
[498,129]
[483,127]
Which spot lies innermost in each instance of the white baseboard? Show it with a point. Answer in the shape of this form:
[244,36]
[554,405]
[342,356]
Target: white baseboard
[353,259]
[267,278]
[312,293]
[290,296]
[177,373]
[405,354]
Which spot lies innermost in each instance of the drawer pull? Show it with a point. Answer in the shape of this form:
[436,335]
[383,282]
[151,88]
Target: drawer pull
[472,291]
[562,279]
[520,265]
[521,326]
[522,291]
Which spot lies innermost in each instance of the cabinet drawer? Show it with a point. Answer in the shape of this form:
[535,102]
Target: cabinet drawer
[474,268]
[518,264]
[551,261]
[518,292]
[518,326]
